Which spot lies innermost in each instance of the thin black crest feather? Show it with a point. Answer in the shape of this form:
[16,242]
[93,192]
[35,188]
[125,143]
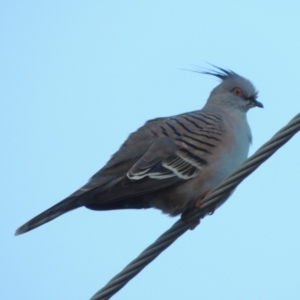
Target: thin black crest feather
[220,72]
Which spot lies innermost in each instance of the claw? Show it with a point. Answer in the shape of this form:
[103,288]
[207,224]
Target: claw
[194,225]
[212,210]
[185,219]
[198,206]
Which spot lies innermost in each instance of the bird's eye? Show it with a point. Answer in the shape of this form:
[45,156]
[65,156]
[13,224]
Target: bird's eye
[237,92]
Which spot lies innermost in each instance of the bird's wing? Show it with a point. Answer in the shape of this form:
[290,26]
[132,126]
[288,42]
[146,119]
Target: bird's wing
[162,153]
[165,159]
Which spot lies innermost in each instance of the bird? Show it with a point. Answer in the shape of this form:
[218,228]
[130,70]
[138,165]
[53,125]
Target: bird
[172,163]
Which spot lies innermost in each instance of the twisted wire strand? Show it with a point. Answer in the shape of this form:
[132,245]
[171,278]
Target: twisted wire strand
[180,227]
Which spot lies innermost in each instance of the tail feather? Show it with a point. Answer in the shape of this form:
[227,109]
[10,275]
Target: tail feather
[53,212]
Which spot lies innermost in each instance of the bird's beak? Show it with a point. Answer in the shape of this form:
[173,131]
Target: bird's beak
[257,103]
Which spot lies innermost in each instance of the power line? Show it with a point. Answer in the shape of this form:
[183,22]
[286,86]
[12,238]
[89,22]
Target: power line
[180,227]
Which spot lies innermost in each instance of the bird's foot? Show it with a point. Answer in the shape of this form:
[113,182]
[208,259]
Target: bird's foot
[213,209]
[197,205]
[185,219]
[184,215]
[195,224]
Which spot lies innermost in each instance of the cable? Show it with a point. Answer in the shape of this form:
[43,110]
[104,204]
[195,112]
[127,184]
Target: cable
[209,202]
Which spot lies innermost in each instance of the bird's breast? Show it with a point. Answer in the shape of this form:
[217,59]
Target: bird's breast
[226,151]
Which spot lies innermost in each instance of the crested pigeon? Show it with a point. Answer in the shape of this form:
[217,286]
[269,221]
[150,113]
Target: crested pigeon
[171,163]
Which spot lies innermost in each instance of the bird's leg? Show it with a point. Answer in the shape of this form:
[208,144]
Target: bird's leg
[199,201]
[198,206]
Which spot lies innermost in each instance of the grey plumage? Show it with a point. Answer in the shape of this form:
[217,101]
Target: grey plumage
[170,163]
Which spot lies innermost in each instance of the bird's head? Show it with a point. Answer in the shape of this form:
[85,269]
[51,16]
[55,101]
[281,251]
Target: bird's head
[234,90]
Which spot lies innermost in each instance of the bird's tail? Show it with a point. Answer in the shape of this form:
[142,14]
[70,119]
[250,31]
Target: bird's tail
[53,212]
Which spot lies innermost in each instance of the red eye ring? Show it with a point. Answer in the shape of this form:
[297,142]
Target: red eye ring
[237,92]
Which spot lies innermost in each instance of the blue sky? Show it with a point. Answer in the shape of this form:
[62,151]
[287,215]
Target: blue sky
[76,79]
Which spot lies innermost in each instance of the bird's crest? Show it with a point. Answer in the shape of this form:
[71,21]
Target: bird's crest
[218,72]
